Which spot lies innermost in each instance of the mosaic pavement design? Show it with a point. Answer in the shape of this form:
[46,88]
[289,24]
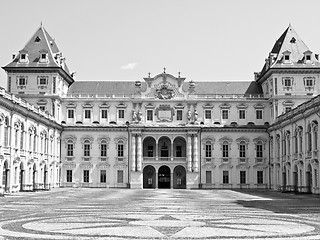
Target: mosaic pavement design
[158,214]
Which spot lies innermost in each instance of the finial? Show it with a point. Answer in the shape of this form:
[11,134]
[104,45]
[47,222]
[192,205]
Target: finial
[164,70]
[149,73]
[41,24]
[179,74]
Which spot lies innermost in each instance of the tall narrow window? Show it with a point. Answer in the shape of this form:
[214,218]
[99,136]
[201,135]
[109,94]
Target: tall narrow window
[120,176]
[22,137]
[120,149]
[6,132]
[207,114]
[179,115]
[104,113]
[208,150]
[225,114]
[86,148]
[225,149]
[69,148]
[87,113]
[70,113]
[149,115]
[242,114]
[86,176]
[259,114]
[120,113]
[225,177]
[242,150]
[103,148]
[260,177]
[103,176]
[309,139]
[69,175]
[178,151]
[208,177]
[242,177]
[259,150]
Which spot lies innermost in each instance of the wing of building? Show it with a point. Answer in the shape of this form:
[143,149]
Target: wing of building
[162,131]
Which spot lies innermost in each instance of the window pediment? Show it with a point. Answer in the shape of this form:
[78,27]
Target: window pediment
[242,139]
[179,106]
[223,139]
[208,106]
[71,105]
[288,103]
[87,105]
[104,105]
[121,105]
[149,106]
[225,106]
[259,106]
[242,106]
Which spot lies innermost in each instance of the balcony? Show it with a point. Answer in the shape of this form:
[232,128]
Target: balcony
[242,160]
[260,160]
[164,159]
[208,159]
[225,160]
[86,159]
[103,159]
[69,159]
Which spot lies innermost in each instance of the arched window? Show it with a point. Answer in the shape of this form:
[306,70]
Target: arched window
[309,138]
[295,139]
[6,132]
[315,134]
[22,136]
[300,140]
[288,143]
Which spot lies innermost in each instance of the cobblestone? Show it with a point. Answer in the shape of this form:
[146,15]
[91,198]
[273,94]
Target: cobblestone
[158,214]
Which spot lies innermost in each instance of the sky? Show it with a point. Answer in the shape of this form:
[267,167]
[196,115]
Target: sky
[205,40]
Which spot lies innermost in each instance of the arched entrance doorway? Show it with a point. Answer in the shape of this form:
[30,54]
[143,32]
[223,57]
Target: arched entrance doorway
[309,179]
[179,177]
[45,177]
[164,178]
[149,177]
[5,176]
[284,179]
[21,176]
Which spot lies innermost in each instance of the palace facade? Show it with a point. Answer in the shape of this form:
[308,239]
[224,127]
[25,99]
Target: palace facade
[161,131]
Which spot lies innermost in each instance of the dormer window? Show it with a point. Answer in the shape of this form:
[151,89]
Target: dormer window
[43,56]
[286,57]
[23,56]
[307,56]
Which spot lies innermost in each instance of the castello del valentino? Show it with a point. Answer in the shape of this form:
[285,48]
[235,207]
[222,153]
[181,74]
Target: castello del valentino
[163,130]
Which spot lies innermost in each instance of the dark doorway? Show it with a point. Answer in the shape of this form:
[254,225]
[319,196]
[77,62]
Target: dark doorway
[5,177]
[34,177]
[179,177]
[21,177]
[164,178]
[149,177]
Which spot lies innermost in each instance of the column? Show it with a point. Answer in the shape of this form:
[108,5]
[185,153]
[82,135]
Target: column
[157,152]
[157,180]
[195,153]
[133,153]
[189,159]
[172,151]
[139,154]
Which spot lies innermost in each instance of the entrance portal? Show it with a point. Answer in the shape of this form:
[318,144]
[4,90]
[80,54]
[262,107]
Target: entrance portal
[164,178]
[149,177]
[179,177]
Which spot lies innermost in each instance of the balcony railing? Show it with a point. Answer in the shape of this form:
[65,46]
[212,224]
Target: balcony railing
[242,160]
[260,159]
[69,159]
[225,160]
[164,159]
[86,159]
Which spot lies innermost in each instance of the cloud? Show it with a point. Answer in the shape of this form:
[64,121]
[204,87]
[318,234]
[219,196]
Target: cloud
[129,66]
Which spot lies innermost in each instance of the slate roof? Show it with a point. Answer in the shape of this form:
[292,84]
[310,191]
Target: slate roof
[290,41]
[127,87]
[40,41]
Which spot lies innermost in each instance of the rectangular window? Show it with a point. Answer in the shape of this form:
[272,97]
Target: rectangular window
[225,114]
[70,150]
[260,177]
[259,114]
[87,113]
[225,150]
[242,151]
[121,113]
[242,114]
[86,150]
[287,82]
[86,176]
[179,115]
[287,109]
[42,81]
[225,177]
[242,177]
[103,149]
[150,151]
[54,85]
[70,113]
[149,115]
[207,114]
[103,176]
[309,82]
[69,175]
[42,108]
[120,176]
[287,57]
[120,150]
[208,151]
[208,177]
[259,151]
[22,81]
[104,113]
[178,151]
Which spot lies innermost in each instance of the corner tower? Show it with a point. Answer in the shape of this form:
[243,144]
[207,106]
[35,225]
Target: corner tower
[39,74]
[290,75]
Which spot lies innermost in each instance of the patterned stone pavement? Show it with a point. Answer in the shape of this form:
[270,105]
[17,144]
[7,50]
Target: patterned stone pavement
[159,214]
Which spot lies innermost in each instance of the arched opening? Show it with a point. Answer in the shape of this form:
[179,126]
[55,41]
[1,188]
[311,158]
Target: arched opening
[21,177]
[34,173]
[149,148]
[309,179]
[295,179]
[45,177]
[149,177]
[164,177]
[179,177]
[179,148]
[164,148]
[5,177]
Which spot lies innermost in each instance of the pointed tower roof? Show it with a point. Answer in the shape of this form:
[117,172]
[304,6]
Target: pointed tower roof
[40,42]
[289,43]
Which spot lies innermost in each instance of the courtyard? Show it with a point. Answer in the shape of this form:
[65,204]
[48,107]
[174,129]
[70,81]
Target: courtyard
[80,213]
